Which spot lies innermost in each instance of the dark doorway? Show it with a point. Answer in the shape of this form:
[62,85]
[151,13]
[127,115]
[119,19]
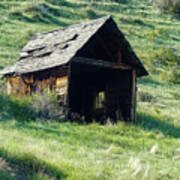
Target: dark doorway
[98,93]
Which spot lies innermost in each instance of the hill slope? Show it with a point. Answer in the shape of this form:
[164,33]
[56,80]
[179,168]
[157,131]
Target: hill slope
[142,25]
[147,150]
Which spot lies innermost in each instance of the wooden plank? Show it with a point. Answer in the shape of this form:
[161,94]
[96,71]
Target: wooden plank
[69,75]
[15,85]
[61,81]
[133,98]
[61,85]
[101,63]
[103,44]
[135,102]
[23,88]
[44,85]
[119,56]
[52,83]
[28,81]
[122,66]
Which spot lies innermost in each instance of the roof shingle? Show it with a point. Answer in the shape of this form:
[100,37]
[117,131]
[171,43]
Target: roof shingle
[54,48]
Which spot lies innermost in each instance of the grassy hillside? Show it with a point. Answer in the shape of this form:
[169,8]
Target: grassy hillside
[146,29]
[149,149]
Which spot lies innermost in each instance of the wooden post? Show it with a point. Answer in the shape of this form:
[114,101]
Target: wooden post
[69,74]
[133,98]
[135,102]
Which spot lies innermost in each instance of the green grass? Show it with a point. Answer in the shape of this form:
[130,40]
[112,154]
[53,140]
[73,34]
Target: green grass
[41,150]
[71,151]
[78,151]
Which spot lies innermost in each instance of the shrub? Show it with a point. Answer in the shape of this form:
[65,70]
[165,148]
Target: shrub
[145,96]
[176,95]
[41,107]
[15,108]
[165,63]
[166,58]
[171,6]
[175,74]
[47,107]
[90,13]
[156,33]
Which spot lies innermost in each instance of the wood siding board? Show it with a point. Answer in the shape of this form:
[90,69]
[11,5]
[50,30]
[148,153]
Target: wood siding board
[101,63]
[61,86]
[30,83]
[69,74]
[119,56]
[135,105]
[133,98]
[104,45]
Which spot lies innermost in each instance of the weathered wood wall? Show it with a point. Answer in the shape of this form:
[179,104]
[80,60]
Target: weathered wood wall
[133,97]
[16,86]
[50,80]
[81,84]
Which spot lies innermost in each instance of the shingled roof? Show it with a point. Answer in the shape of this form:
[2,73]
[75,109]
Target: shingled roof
[58,47]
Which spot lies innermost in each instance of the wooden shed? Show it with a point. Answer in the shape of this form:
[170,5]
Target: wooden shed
[91,66]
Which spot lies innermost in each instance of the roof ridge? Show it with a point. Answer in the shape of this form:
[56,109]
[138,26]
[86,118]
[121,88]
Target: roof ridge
[81,35]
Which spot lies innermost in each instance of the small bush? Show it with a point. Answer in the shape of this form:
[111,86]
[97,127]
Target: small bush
[90,13]
[36,8]
[15,108]
[175,75]
[171,75]
[165,63]
[76,117]
[46,107]
[171,6]
[165,57]
[145,96]
[156,33]
[176,95]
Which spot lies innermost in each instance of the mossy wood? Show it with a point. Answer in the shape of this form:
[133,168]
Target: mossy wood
[91,66]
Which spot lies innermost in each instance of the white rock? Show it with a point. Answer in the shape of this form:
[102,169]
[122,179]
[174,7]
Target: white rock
[154,149]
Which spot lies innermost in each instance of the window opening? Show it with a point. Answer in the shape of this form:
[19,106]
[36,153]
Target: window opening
[100,100]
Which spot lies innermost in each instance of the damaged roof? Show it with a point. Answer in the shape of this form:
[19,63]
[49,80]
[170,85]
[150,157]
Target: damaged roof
[58,47]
